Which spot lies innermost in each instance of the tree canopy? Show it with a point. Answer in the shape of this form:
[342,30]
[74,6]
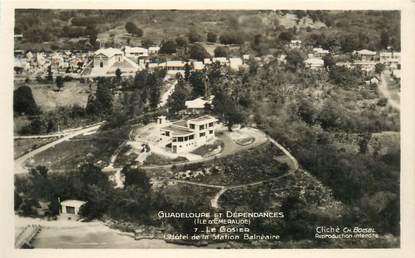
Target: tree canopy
[131,28]
[23,101]
[168,47]
[198,52]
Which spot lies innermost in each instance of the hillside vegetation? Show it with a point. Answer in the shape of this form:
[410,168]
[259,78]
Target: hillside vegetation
[79,28]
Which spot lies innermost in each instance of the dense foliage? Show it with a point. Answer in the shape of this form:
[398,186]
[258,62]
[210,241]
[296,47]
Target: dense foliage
[23,101]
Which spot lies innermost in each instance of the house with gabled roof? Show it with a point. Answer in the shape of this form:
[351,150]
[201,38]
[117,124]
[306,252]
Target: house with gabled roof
[107,60]
[365,55]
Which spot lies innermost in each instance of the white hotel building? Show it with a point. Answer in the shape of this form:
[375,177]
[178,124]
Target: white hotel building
[185,136]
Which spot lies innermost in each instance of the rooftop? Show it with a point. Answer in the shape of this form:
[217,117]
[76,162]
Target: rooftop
[135,49]
[73,203]
[173,63]
[198,103]
[180,123]
[177,130]
[366,52]
[205,118]
[314,61]
[108,51]
[198,65]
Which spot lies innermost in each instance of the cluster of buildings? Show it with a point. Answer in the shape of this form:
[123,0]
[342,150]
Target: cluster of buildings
[315,58]
[367,60]
[37,64]
[105,62]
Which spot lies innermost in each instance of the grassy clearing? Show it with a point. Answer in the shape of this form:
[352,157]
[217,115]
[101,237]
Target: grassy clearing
[97,148]
[48,99]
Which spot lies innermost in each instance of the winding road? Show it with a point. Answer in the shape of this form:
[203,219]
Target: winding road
[294,166]
[19,163]
[384,90]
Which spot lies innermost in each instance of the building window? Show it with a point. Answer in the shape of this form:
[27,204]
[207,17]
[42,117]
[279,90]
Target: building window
[175,139]
[180,139]
[201,127]
[192,126]
[191,137]
[101,64]
[202,134]
[210,131]
[211,124]
[70,210]
[167,133]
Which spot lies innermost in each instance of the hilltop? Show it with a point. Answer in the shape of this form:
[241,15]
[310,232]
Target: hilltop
[61,29]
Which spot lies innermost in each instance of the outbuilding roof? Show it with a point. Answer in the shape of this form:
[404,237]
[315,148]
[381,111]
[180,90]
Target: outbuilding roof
[366,52]
[314,61]
[198,103]
[72,203]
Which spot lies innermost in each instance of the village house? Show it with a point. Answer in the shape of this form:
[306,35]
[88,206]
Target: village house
[29,56]
[366,66]
[365,55]
[245,57]
[153,50]
[295,43]
[391,59]
[18,53]
[235,63]
[173,67]
[198,66]
[135,52]
[198,105]
[69,209]
[319,52]
[207,61]
[40,58]
[221,60]
[184,136]
[314,63]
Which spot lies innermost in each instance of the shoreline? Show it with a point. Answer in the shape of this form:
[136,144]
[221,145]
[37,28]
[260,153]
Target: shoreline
[95,234]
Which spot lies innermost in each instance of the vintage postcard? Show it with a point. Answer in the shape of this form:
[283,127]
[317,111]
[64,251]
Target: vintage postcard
[196,127]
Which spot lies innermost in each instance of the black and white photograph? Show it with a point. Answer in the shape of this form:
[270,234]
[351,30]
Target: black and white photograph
[206,128]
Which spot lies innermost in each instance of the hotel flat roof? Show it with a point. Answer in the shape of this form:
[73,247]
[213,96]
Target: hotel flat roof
[177,130]
[205,118]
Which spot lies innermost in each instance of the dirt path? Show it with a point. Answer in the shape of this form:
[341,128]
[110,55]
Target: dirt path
[384,90]
[166,95]
[62,133]
[19,163]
